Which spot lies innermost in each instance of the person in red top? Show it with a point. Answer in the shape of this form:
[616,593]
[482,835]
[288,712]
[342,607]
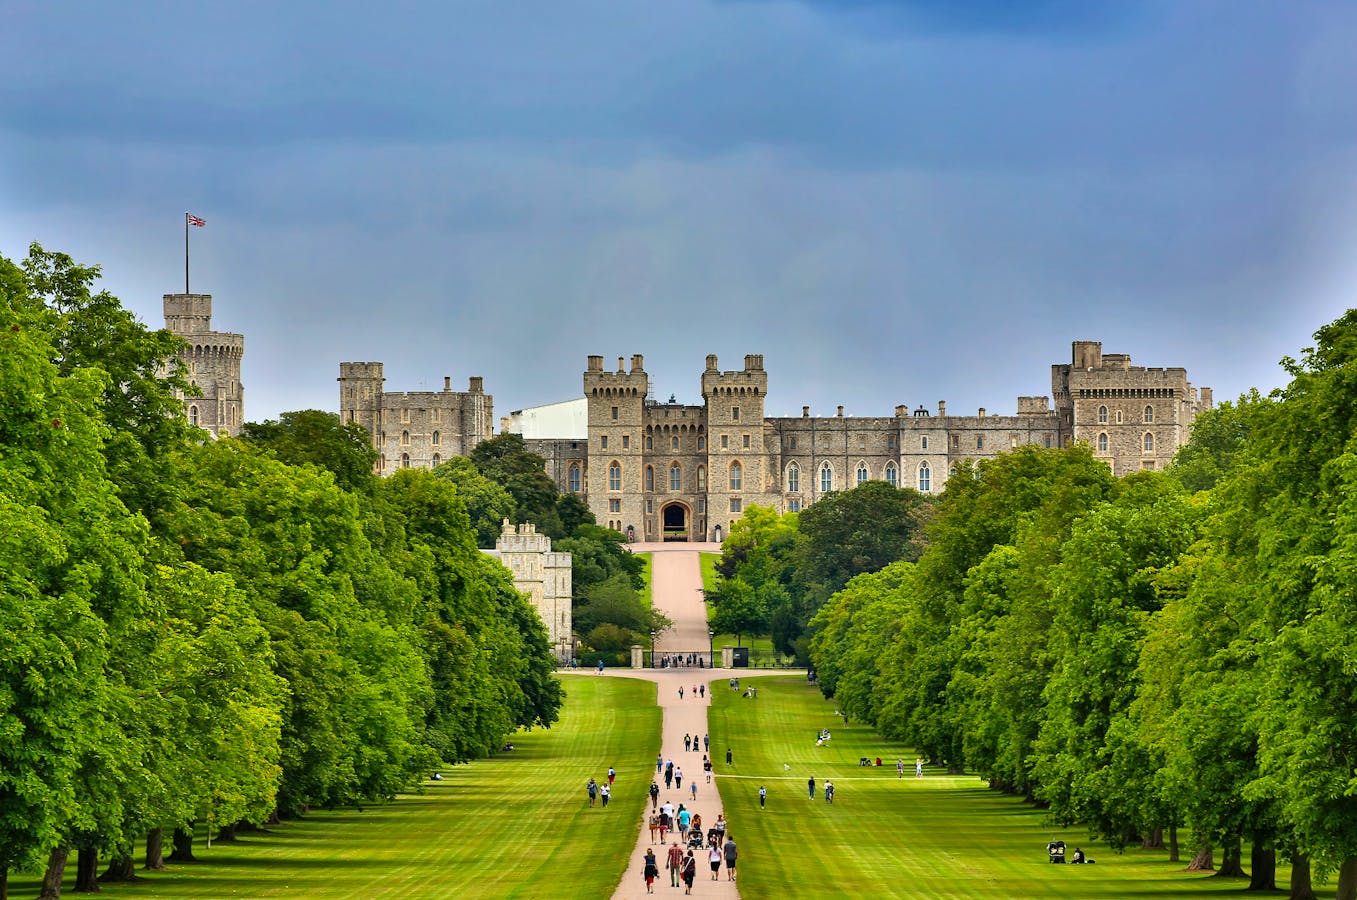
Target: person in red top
[675,864]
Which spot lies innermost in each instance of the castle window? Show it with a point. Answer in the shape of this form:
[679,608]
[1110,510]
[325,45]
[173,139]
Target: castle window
[1148,465]
[736,475]
[573,479]
[675,477]
[746,442]
[650,478]
[923,442]
[793,505]
[725,442]
[436,439]
[626,441]
[1047,442]
[701,504]
[614,477]
[956,442]
[193,416]
[1118,417]
[701,442]
[892,477]
[382,461]
[1102,415]
[1102,442]
[980,443]
[793,442]
[405,438]
[437,415]
[734,414]
[1149,415]
[405,414]
[614,506]
[437,459]
[862,443]
[603,442]
[701,478]
[614,413]
[925,478]
[1149,442]
[890,442]
[650,508]
[826,478]
[650,442]
[673,442]
[736,505]
[351,418]
[405,460]
[824,442]
[794,478]
[862,473]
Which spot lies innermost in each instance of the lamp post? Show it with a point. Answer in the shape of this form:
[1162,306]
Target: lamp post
[652,649]
[711,649]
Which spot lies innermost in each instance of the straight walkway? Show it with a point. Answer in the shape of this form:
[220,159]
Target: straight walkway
[677,591]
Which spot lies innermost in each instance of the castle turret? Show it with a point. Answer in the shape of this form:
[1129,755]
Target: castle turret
[616,425]
[360,399]
[737,462]
[212,359]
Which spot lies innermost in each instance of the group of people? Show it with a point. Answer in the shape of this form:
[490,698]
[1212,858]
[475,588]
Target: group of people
[682,661]
[810,787]
[604,791]
[699,690]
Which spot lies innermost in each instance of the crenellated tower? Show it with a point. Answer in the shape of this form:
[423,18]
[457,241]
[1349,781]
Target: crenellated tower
[617,402]
[212,359]
[737,461]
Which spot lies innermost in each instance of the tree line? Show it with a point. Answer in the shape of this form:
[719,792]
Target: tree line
[200,634]
[1160,657]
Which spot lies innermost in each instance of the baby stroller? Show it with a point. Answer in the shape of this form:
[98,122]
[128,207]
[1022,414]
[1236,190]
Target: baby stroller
[1055,851]
[715,836]
[694,840]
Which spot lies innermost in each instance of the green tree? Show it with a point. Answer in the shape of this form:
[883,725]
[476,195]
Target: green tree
[487,503]
[314,437]
[739,610]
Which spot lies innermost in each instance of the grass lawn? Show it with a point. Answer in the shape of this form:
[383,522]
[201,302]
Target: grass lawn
[515,826]
[936,837]
[708,562]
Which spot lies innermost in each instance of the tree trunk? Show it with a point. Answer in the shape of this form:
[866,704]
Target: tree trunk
[87,871]
[227,834]
[120,868]
[1173,843]
[1203,861]
[1300,879]
[1262,867]
[1233,864]
[183,846]
[155,849]
[1154,840]
[56,870]
[1347,879]
[4,882]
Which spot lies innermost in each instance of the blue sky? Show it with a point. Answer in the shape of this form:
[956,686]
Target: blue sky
[894,202]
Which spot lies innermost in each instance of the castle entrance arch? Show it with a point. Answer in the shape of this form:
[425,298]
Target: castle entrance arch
[674,522]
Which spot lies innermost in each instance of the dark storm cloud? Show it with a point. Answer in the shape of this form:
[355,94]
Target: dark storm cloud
[893,202]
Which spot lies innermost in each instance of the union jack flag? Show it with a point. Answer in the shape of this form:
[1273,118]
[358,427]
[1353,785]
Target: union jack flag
[194,220]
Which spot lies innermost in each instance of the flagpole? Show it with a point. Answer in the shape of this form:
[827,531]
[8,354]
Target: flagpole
[185,253]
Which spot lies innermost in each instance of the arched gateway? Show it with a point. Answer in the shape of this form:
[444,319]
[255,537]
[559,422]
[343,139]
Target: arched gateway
[674,520]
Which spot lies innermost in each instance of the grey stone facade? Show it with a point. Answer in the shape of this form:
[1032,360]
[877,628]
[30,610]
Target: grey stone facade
[212,359]
[418,429]
[659,471]
[543,575]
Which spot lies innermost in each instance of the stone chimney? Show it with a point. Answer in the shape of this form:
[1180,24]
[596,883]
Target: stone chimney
[942,407]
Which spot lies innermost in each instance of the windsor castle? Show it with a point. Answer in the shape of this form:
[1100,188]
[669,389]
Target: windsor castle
[668,471]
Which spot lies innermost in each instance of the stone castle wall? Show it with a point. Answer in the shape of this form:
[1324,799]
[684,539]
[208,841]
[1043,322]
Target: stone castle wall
[212,360]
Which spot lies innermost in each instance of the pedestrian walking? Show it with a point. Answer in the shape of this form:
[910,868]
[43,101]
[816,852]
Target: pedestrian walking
[692,788]
[728,848]
[687,742]
[654,795]
[612,774]
[684,817]
[675,864]
[665,823]
[729,758]
[606,792]
[706,767]
[659,763]
[680,692]
[706,743]
[654,826]
[810,783]
[600,667]
[899,768]
[651,871]
[668,777]
[702,689]
[763,796]
[919,768]
[829,791]
[689,871]
[714,858]
[678,777]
